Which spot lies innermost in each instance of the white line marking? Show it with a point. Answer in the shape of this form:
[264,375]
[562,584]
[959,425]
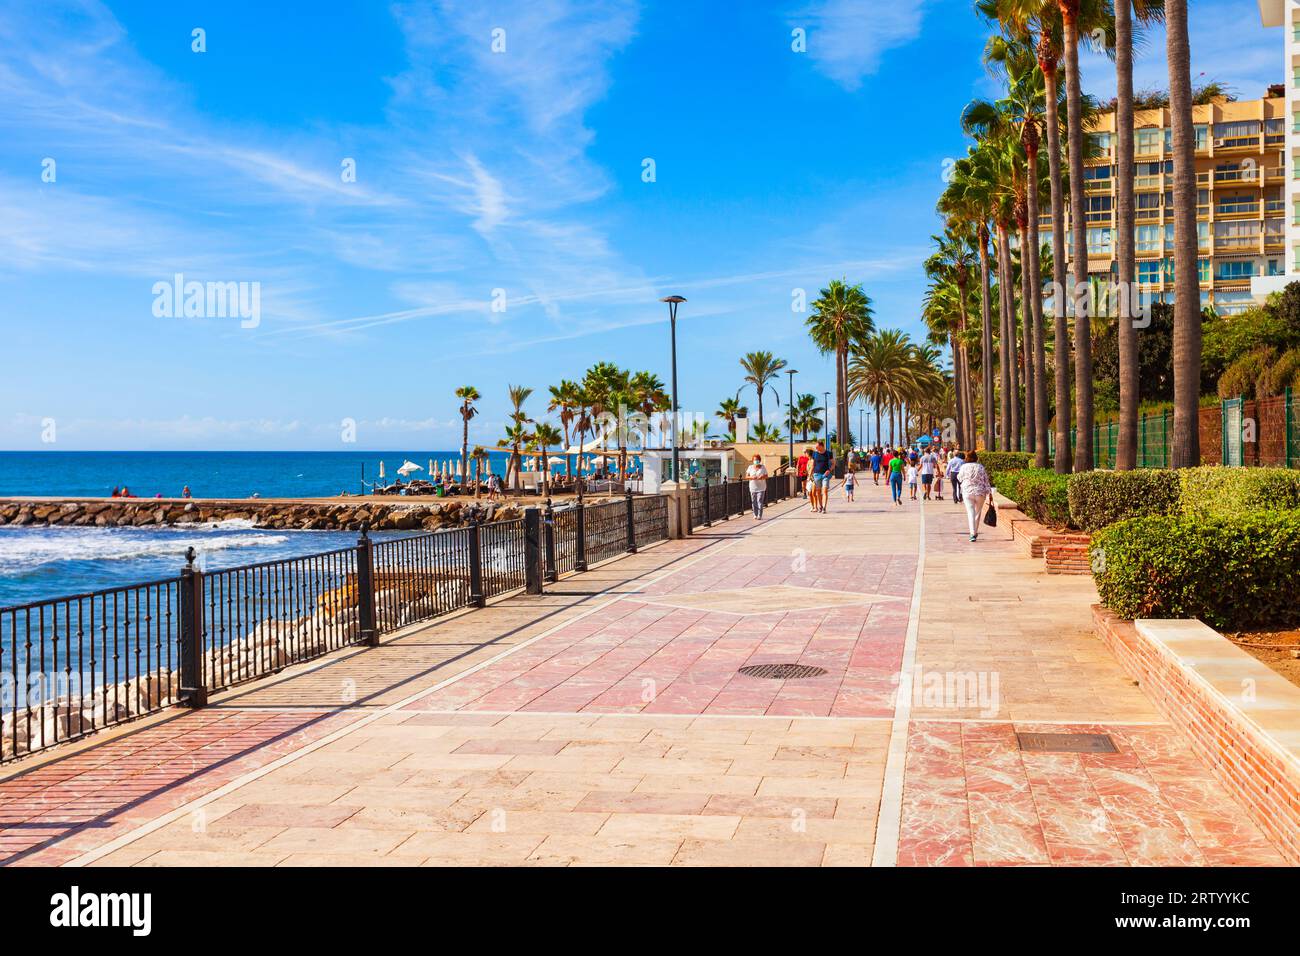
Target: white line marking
[158,823]
[890,820]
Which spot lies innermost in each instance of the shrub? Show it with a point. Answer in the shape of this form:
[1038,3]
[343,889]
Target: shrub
[1231,571]
[1005,460]
[1281,375]
[1101,498]
[1041,493]
[1240,378]
[1213,490]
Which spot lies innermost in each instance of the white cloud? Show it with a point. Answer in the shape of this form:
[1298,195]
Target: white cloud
[847,38]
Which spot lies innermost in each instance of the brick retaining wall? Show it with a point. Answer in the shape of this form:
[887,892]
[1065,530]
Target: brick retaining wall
[1229,731]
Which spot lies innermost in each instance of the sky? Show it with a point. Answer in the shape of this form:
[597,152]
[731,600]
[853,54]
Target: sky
[416,196]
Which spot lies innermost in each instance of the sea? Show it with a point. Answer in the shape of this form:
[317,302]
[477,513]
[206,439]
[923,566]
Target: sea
[38,563]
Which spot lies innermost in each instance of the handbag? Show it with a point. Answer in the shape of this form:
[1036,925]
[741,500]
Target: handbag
[991,515]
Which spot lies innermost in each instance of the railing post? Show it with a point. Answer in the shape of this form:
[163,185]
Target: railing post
[580,519]
[631,525]
[548,538]
[708,509]
[193,690]
[476,596]
[366,588]
[532,551]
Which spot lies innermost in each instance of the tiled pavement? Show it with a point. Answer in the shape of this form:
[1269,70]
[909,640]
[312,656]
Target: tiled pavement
[613,728]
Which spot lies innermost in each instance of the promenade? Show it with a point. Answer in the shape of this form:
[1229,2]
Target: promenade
[607,722]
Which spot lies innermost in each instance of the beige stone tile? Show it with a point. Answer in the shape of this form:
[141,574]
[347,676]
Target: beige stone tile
[667,826]
[603,851]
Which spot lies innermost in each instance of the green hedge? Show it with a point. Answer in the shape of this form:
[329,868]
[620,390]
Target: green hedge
[1233,571]
[1041,493]
[1101,498]
[1005,460]
[1223,491]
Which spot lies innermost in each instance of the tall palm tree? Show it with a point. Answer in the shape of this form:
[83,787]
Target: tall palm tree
[805,416]
[760,368]
[840,313]
[517,431]
[468,395]
[1187,291]
[565,398]
[480,456]
[950,268]
[971,194]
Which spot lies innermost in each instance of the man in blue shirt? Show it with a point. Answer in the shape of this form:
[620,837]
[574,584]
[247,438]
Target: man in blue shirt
[822,466]
[875,465]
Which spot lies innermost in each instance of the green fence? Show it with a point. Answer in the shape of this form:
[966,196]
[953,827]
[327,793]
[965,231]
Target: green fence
[1273,437]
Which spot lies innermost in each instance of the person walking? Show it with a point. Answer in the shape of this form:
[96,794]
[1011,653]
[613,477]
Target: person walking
[976,492]
[940,470]
[801,470]
[823,466]
[912,476]
[875,464]
[929,461]
[955,462]
[896,479]
[850,482]
[757,475]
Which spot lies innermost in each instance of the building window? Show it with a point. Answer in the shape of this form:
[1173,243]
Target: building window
[1148,140]
[1202,136]
[1099,240]
[1148,272]
[1147,238]
[1235,269]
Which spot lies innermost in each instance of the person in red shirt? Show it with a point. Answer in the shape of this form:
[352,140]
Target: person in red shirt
[802,470]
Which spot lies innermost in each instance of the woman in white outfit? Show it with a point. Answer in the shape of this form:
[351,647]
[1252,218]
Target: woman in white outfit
[757,475]
[975,492]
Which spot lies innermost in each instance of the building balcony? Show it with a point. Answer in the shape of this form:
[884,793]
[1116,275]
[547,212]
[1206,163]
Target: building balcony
[1237,210]
[1238,144]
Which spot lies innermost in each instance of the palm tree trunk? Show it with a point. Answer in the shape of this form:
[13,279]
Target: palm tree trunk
[464,447]
[986,336]
[1060,321]
[1034,295]
[1187,288]
[1126,450]
[1083,453]
[1027,335]
[957,384]
[1005,341]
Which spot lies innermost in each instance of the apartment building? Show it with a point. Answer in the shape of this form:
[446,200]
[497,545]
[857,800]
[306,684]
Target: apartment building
[1280,13]
[1241,212]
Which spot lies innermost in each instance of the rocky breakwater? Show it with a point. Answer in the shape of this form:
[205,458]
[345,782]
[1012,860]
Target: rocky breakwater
[274,514]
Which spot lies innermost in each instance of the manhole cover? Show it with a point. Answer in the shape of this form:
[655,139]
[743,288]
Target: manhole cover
[1067,743]
[782,671]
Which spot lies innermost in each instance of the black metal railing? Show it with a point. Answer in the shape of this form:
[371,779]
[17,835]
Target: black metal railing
[73,665]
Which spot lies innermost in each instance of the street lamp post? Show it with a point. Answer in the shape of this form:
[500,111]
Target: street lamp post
[790,416]
[826,417]
[673,301]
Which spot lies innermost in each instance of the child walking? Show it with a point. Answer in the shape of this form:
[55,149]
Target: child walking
[850,482]
[911,479]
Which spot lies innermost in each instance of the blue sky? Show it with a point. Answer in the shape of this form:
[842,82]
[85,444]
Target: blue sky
[476,171]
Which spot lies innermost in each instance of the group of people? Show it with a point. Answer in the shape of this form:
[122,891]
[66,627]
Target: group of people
[923,471]
[125,492]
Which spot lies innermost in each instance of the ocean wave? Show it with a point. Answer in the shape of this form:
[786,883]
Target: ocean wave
[24,549]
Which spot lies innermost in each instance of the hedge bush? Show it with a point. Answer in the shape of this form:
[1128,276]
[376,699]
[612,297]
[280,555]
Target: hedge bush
[1101,498]
[1041,493]
[1214,490]
[1232,571]
[1005,460]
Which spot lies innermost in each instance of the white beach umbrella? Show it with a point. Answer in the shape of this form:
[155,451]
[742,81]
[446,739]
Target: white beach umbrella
[381,469]
[430,466]
[408,468]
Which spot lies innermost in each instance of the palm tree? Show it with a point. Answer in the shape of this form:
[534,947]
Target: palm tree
[480,456]
[841,313]
[1187,292]
[566,398]
[950,268]
[546,436]
[804,416]
[766,433]
[760,368]
[468,395]
[729,409]
[516,432]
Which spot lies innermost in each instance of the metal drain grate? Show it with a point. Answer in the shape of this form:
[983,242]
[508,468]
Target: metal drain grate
[1067,743]
[782,671]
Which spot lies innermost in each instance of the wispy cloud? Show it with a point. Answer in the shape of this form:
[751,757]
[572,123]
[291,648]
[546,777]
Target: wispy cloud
[847,38]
